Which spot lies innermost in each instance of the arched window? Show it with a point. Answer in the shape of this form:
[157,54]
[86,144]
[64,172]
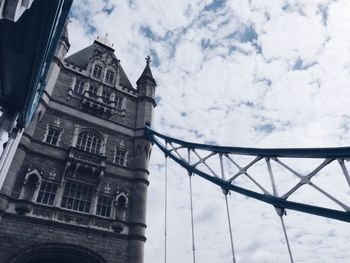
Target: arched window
[89,141]
[79,87]
[121,206]
[109,77]
[31,183]
[97,72]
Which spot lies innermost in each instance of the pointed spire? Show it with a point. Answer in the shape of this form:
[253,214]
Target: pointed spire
[147,73]
[148,60]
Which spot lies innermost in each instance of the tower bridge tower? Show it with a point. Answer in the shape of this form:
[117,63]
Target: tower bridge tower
[76,190]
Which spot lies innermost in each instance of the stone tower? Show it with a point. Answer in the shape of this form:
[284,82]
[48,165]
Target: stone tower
[76,190]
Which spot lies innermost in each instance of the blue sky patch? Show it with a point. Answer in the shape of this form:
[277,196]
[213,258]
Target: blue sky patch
[215,5]
[324,13]
[265,128]
[83,16]
[155,58]
[246,34]
[148,33]
[108,9]
[300,65]
[206,43]
[157,99]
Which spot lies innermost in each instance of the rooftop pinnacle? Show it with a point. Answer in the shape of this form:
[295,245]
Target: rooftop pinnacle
[147,73]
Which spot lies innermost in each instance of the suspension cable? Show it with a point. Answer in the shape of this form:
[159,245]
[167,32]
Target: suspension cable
[280,213]
[165,205]
[192,224]
[230,229]
[191,205]
[227,208]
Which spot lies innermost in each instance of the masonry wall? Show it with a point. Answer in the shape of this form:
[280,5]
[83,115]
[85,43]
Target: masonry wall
[67,124]
[65,82]
[50,223]
[17,233]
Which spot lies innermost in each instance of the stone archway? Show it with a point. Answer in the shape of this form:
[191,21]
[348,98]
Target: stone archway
[58,253]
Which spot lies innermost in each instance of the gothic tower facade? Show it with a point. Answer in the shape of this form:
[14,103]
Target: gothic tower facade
[76,190]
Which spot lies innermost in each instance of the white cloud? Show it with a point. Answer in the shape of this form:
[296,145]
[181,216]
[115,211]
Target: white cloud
[292,35]
[243,73]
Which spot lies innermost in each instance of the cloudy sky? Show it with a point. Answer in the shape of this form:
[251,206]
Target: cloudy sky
[240,73]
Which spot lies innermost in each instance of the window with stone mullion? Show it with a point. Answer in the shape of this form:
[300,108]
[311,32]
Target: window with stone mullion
[77,196]
[93,89]
[97,72]
[52,136]
[106,93]
[119,157]
[79,87]
[95,145]
[47,193]
[109,77]
[104,205]
[89,142]
[118,103]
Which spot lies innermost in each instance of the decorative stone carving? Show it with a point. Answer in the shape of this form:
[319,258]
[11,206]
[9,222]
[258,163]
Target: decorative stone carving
[117,226]
[102,224]
[52,174]
[57,123]
[86,157]
[107,189]
[42,212]
[121,144]
[23,207]
[73,219]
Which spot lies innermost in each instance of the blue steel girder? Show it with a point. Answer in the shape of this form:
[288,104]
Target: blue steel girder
[327,154]
[27,47]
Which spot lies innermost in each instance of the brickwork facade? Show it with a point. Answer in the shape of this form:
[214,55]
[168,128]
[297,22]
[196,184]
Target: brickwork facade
[76,191]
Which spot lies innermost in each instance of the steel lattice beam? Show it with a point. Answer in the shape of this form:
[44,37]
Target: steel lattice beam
[327,154]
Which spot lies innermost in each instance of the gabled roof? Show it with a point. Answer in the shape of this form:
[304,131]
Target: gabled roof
[82,58]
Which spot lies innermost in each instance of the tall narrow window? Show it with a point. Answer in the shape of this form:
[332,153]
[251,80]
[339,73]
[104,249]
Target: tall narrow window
[79,87]
[118,103]
[47,193]
[120,212]
[106,94]
[104,205]
[97,72]
[120,156]
[109,77]
[77,196]
[93,89]
[52,136]
[89,141]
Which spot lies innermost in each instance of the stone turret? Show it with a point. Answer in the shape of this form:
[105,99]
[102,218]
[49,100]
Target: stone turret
[61,51]
[146,86]
[142,148]
[63,44]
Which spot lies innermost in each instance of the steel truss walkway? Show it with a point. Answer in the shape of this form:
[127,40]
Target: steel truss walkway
[221,166]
